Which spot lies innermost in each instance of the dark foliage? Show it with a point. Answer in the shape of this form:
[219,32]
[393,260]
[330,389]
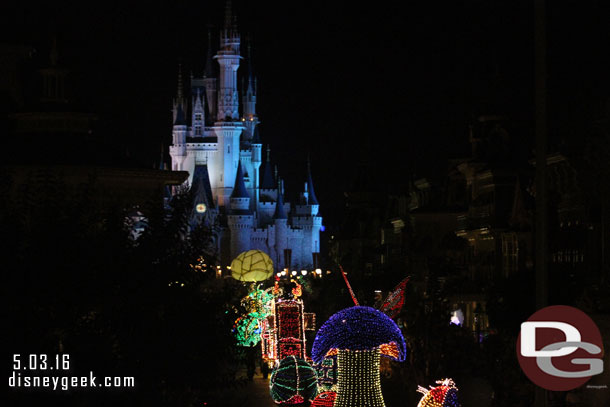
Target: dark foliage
[76,282]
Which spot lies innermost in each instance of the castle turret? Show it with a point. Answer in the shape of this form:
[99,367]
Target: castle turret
[179,100]
[178,148]
[257,147]
[268,183]
[203,203]
[249,117]
[240,220]
[209,81]
[311,198]
[307,218]
[280,221]
[198,119]
[228,58]
[228,127]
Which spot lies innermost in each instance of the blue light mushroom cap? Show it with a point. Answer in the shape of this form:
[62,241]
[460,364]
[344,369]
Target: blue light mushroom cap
[359,328]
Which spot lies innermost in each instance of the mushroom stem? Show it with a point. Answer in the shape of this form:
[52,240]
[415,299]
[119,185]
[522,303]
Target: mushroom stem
[358,383]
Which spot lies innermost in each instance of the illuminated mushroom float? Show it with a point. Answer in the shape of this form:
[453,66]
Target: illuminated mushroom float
[359,336]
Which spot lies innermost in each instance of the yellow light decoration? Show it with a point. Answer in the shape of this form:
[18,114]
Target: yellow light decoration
[390,349]
[253,265]
[200,208]
[297,291]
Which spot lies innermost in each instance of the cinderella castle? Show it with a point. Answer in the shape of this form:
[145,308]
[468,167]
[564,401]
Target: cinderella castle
[220,147]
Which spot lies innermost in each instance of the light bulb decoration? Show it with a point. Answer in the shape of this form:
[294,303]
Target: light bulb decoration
[443,395]
[324,399]
[395,300]
[359,336]
[249,327]
[327,373]
[297,291]
[293,381]
[284,330]
[247,331]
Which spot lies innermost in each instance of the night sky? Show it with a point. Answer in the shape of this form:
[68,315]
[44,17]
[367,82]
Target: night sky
[394,83]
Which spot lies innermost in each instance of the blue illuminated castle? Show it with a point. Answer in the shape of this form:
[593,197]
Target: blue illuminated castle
[219,145]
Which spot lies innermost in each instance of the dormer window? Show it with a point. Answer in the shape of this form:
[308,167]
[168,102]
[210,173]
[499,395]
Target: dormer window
[198,130]
[198,117]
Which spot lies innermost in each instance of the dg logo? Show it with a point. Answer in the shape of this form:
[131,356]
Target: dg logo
[560,348]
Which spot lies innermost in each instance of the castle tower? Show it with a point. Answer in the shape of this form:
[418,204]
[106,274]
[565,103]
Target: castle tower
[209,81]
[280,221]
[240,220]
[228,127]
[268,181]
[228,58]
[198,114]
[307,218]
[249,118]
[257,148]
[179,100]
[178,148]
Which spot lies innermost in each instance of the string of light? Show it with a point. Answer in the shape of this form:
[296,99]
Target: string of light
[293,381]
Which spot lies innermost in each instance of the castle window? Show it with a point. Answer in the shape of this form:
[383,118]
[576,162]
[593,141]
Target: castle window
[198,130]
[198,117]
[229,149]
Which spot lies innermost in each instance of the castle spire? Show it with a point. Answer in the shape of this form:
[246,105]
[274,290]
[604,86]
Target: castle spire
[180,119]
[209,63]
[268,179]
[228,15]
[229,37]
[256,139]
[228,58]
[239,190]
[179,91]
[311,194]
[251,83]
[279,205]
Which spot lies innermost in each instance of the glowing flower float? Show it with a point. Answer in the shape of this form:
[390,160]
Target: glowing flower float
[253,265]
[443,395]
[359,336]
[293,381]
